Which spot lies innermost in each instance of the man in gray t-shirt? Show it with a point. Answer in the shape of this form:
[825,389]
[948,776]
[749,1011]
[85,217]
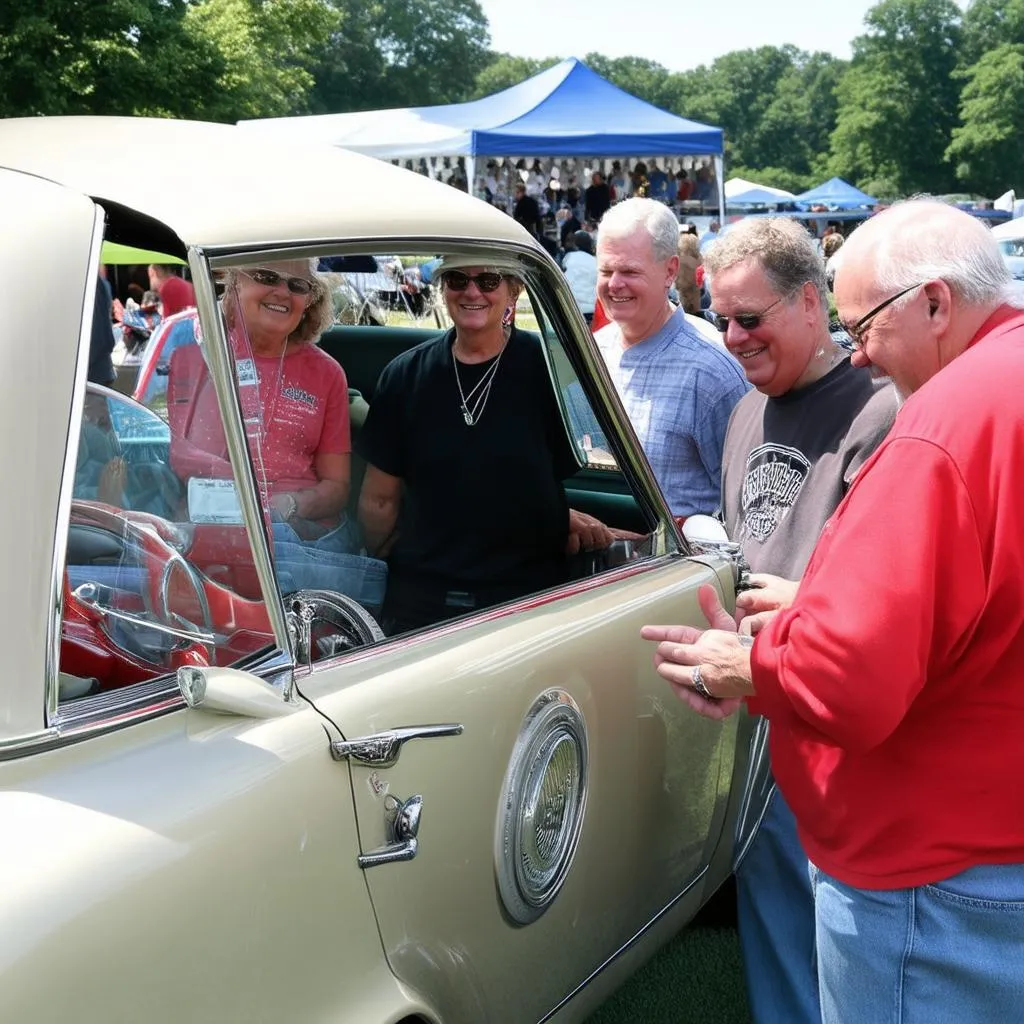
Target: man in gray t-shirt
[792,448]
[789,460]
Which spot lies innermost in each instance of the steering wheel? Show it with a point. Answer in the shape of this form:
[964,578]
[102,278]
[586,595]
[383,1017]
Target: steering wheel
[175,626]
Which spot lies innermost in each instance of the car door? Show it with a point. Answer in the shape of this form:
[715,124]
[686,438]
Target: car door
[552,796]
[161,863]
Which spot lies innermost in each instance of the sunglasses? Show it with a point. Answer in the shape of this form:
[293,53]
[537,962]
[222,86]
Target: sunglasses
[271,279]
[856,331]
[748,321]
[457,281]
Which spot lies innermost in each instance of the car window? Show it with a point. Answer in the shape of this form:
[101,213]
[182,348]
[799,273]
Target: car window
[165,341]
[481,509]
[148,588]
[332,405]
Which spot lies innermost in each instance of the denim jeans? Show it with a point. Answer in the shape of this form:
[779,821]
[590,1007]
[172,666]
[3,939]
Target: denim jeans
[332,562]
[948,953]
[775,908]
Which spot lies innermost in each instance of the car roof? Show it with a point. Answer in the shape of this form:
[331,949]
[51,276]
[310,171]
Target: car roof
[215,185]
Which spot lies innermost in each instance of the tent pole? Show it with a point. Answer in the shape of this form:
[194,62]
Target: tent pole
[720,174]
[471,174]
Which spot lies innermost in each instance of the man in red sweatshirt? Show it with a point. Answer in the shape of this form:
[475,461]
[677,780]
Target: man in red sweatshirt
[894,682]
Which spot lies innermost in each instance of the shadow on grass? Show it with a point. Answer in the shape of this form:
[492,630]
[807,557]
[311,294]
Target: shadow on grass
[696,979]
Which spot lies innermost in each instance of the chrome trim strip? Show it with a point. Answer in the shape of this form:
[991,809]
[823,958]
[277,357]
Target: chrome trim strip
[446,628]
[219,355]
[63,522]
[625,947]
[758,772]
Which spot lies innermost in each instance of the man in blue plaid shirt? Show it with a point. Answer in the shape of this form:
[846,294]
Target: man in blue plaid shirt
[678,389]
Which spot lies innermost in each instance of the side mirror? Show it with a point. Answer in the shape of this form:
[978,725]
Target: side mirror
[704,531]
[707,536]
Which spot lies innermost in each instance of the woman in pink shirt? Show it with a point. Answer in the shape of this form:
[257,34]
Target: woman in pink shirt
[294,398]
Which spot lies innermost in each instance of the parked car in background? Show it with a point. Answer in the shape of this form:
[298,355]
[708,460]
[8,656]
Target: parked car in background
[226,797]
[170,334]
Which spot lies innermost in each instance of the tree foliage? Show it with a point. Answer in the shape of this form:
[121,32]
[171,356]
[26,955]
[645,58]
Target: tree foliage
[988,146]
[389,53]
[988,24]
[503,71]
[264,46]
[932,96]
[102,57]
[898,102]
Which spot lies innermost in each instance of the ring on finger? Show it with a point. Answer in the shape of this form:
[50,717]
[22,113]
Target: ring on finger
[700,686]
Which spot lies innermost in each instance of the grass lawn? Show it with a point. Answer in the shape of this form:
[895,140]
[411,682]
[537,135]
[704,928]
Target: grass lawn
[695,979]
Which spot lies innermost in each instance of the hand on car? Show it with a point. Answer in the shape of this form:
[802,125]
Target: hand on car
[723,657]
[586,533]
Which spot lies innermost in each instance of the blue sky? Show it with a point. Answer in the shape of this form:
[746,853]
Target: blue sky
[677,35]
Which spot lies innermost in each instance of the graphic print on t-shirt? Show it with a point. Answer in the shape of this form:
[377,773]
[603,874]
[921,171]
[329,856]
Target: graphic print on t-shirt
[774,475]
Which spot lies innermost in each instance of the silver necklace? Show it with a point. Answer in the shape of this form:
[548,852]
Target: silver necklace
[475,402]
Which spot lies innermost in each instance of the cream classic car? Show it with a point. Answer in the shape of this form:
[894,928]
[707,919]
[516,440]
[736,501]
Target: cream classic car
[225,794]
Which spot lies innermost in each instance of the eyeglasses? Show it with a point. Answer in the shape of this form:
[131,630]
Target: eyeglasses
[748,321]
[271,279]
[856,332]
[457,281]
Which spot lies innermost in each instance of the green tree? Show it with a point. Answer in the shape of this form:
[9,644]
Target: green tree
[389,53]
[988,148]
[735,92]
[265,47]
[795,129]
[898,101]
[988,24]
[504,71]
[102,57]
[646,79]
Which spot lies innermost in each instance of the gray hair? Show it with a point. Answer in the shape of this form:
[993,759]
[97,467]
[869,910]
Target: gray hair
[655,218]
[926,241]
[782,249]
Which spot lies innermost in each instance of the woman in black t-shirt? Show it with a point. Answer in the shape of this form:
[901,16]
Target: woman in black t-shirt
[466,453]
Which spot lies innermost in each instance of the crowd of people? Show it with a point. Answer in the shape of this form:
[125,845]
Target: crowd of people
[551,202]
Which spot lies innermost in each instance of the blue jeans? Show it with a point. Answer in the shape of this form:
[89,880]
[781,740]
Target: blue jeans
[775,907]
[948,953]
[331,562]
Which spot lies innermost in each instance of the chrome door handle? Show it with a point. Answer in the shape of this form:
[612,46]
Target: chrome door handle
[404,829]
[383,749]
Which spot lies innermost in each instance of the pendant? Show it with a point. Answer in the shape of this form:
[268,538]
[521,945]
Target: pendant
[467,416]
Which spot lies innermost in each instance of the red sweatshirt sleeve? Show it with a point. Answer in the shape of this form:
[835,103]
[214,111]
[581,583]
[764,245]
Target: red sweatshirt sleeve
[895,584]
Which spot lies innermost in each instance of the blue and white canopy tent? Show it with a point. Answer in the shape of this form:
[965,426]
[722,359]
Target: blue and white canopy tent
[566,111]
[836,194]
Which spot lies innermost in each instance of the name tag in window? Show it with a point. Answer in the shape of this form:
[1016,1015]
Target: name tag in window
[213,501]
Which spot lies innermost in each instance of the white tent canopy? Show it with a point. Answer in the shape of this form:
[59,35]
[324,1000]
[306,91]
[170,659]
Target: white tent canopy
[737,186]
[397,134]
[1009,230]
